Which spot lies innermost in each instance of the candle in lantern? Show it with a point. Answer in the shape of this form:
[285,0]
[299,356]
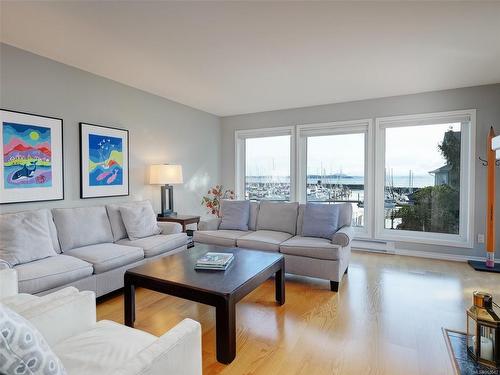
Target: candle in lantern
[486,348]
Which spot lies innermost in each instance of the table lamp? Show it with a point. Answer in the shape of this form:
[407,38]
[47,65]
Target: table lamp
[166,175]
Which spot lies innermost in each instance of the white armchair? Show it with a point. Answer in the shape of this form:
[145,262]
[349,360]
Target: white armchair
[67,321]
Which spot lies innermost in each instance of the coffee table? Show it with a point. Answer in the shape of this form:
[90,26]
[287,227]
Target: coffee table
[175,275]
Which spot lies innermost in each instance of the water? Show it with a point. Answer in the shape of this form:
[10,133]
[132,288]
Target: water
[399,181]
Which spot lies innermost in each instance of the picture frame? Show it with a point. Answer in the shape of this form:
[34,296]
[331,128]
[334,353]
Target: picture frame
[104,161]
[32,162]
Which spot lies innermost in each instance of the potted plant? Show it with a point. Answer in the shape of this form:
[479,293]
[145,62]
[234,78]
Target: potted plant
[212,200]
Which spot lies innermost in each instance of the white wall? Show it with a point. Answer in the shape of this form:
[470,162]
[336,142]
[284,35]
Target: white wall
[160,130]
[486,99]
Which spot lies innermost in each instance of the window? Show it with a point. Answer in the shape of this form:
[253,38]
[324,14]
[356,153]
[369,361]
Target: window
[424,173]
[267,168]
[265,164]
[408,178]
[333,166]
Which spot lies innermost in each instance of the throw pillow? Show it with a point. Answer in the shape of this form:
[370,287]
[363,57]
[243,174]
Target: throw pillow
[278,216]
[23,350]
[320,220]
[25,237]
[235,215]
[140,220]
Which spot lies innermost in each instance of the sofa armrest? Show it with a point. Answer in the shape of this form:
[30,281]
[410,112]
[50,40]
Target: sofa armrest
[343,236]
[178,352]
[58,319]
[4,264]
[8,283]
[169,228]
[210,224]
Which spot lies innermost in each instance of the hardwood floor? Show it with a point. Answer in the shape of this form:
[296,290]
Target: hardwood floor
[385,319]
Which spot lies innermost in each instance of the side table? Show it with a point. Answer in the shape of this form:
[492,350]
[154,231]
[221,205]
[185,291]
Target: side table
[181,219]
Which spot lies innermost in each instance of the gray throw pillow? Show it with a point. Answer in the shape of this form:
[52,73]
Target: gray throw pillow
[235,215]
[320,220]
[140,220]
[25,237]
[278,216]
[82,226]
[23,350]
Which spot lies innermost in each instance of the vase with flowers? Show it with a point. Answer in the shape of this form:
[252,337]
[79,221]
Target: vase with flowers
[213,198]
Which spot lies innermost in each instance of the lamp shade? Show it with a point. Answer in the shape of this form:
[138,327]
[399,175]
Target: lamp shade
[163,174]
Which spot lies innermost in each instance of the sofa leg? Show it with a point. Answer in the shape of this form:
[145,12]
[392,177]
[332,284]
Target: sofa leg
[334,286]
[346,270]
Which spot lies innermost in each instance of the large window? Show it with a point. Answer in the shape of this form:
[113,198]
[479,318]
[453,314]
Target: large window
[408,178]
[333,167]
[267,168]
[424,173]
[336,171]
[265,164]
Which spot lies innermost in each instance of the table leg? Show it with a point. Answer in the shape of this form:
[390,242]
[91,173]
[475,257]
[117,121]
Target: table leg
[279,280]
[225,327]
[129,302]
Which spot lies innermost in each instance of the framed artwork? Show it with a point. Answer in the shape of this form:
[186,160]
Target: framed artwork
[104,170]
[31,166]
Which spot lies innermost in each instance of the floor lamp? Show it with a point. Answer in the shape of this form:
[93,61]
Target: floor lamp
[493,153]
[166,175]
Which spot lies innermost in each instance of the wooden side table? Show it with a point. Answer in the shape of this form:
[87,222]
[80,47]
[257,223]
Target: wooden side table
[181,219]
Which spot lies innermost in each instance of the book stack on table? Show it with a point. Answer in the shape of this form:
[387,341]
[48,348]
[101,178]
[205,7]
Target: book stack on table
[214,261]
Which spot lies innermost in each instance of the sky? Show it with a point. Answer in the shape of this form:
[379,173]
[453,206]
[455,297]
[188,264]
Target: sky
[413,147]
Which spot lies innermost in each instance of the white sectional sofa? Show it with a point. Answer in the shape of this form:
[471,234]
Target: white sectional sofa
[276,226]
[90,248]
[87,346]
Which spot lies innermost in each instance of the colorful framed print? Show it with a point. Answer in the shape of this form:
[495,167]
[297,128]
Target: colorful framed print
[104,170]
[31,166]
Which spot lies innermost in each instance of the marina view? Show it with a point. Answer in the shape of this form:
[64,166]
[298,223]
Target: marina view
[422,177]
[336,188]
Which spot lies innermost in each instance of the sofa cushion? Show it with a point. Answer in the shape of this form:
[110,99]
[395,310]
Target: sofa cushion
[155,245]
[107,256]
[52,230]
[254,212]
[83,226]
[278,216]
[300,217]
[235,215]
[107,346]
[263,240]
[320,220]
[24,350]
[311,247]
[52,272]
[115,219]
[218,237]
[25,237]
[139,220]
[345,215]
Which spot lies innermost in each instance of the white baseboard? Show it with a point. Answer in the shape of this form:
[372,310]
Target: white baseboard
[388,248]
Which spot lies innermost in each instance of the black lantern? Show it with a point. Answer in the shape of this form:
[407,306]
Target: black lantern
[483,331]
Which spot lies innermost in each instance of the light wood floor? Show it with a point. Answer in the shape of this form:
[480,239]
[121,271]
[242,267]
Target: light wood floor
[386,319]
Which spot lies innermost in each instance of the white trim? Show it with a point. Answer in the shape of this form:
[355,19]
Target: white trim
[465,238]
[420,254]
[239,143]
[362,126]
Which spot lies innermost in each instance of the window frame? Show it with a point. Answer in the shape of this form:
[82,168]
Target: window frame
[465,237]
[240,136]
[363,126]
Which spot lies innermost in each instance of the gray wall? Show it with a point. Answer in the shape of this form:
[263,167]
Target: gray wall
[486,99]
[160,130]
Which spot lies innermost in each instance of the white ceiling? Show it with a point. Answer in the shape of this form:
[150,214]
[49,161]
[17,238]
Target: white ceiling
[239,57]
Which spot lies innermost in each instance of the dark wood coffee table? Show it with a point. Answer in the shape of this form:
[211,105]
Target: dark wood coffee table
[175,275]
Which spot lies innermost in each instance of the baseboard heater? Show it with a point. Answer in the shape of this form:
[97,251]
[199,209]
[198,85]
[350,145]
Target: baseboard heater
[378,246]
